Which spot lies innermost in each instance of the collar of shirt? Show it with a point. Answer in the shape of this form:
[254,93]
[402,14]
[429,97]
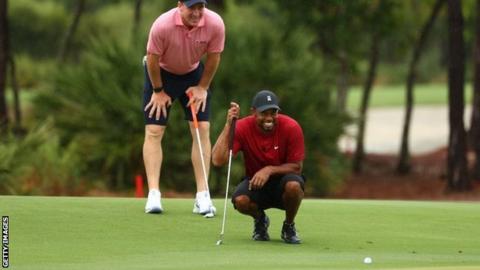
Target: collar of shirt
[179,22]
[259,131]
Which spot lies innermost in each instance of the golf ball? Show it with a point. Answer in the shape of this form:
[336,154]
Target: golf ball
[367,260]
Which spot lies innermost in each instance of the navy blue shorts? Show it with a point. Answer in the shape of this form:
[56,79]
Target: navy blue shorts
[175,86]
[271,194]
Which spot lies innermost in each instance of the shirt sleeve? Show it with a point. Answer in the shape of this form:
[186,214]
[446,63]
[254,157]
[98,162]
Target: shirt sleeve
[217,42]
[296,145]
[237,144]
[155,44]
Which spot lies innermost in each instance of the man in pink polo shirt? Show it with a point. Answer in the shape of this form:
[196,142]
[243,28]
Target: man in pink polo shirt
[273,151]
[177,41]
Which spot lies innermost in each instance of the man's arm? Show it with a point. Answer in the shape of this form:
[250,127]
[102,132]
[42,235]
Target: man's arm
[286,168]
[211,65]
[154,70]
[220,149]
[160,101]
[262,176]
[200,91]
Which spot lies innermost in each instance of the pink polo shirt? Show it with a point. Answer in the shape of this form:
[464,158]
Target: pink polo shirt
[181,49]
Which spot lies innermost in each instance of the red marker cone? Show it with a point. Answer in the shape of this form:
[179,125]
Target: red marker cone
[139,186]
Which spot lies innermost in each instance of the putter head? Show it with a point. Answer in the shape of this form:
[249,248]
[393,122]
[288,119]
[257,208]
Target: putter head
[220,240]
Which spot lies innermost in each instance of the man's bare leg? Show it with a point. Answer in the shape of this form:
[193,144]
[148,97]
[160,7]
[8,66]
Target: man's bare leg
[202,188]
[292,198]
[152,158]
[204,130]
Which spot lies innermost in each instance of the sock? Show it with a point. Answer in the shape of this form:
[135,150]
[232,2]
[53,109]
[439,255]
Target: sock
[154,190]
[203,194]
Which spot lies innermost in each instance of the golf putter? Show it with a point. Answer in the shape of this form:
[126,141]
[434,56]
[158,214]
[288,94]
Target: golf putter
[197,132]
[230,153]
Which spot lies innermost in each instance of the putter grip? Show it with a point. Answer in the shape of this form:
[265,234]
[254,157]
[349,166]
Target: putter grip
[192,109]
[231,133]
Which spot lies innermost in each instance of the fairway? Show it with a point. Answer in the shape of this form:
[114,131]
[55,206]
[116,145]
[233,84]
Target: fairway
[394,95]
[114,233]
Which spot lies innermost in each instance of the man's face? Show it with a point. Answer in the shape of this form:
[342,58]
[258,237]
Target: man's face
[191,16]
[267,119]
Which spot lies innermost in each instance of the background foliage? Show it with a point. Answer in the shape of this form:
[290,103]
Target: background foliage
[94,134]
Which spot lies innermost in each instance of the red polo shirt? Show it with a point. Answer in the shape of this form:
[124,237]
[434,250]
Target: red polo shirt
[284,144]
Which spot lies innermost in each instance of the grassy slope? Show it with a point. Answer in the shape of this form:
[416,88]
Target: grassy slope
[114,233]
[394,95]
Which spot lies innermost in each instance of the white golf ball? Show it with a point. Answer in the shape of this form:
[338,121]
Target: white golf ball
[367,260]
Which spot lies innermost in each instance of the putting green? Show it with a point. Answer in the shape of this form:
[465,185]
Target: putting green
[114,233]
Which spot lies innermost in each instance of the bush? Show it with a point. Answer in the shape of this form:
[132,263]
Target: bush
[38,165]
[96,105]
[34,74]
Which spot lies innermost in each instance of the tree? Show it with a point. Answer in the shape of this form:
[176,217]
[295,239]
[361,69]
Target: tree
[17,128]
[372,70]
[67,41]
[380,23]
[457,175]
[403,165]
[136,20]
[337,25]
[3,64]
[475,120]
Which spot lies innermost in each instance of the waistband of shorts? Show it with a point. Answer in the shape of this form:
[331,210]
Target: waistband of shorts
[182,76]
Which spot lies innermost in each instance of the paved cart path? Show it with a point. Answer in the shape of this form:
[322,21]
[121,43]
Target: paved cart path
[429,130]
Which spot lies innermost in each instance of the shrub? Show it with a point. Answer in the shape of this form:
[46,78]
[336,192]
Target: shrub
[37,164]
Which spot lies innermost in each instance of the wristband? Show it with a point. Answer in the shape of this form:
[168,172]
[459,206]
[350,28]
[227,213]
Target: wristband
[158,89]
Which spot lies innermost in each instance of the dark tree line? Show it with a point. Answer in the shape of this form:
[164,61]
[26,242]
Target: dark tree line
[4,54]
[474,133]
[458,177]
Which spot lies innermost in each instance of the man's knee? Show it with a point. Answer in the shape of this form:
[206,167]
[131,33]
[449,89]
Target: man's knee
[242,203]
[204,125]
[293,188]
[154,132]
[204,129]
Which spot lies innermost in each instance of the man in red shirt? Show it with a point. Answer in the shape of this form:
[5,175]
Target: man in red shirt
[273,150]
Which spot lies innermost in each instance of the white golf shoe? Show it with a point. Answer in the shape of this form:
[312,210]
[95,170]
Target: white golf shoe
[203,204]
[154,205]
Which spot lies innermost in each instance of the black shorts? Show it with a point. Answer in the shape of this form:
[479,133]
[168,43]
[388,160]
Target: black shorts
[270,195]
[175,86]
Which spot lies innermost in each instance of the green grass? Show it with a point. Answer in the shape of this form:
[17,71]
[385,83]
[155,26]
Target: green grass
[394,95]
[114,233]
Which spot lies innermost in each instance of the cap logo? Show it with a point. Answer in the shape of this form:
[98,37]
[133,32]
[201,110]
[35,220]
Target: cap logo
[269,98]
